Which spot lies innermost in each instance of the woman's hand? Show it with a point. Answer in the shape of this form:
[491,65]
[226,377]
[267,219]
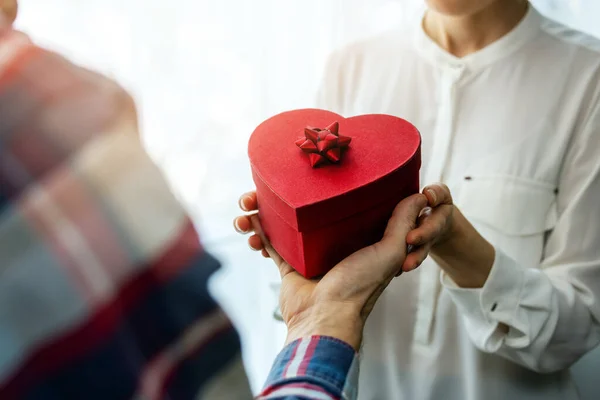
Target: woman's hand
[338,304]
[453,242]
[434,226]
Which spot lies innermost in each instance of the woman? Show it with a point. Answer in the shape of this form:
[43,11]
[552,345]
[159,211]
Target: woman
[508,104]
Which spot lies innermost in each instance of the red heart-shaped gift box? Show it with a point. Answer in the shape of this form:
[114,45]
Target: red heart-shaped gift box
[315,217]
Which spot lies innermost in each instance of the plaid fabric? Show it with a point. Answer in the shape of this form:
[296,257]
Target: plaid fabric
[103,282]
[315,367]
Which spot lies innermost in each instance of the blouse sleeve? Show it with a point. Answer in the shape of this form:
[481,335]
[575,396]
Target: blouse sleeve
[552,310]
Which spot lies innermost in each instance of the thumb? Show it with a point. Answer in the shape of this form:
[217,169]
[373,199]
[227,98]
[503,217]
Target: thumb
[404,218]
[438,194]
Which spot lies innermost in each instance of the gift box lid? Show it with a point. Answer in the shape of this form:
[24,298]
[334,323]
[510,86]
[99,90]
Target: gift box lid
[382,158]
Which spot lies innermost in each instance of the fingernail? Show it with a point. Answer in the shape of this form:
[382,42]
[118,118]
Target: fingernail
[241,203]
[432,194]
[237,226]
[426,212]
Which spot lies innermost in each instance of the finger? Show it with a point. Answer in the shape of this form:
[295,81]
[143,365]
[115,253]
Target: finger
[284,267]
[261,234]
[404,218]
[430,226]
[437,194]
[426,212]
[416,258]
[248,202]
[265,253]
[255,243]
[242,224]
[409,249]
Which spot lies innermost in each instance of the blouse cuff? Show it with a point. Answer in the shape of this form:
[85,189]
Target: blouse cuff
[496,303]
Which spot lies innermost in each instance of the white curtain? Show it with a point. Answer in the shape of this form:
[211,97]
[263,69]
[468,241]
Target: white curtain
[204,74]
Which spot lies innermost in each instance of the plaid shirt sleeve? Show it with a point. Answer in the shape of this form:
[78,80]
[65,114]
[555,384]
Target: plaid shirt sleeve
[103,282]
[317,367]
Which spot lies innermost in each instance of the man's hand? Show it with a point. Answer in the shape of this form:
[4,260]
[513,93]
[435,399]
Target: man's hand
[338,304]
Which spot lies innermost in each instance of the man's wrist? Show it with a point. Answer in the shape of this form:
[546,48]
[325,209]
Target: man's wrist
[341,322]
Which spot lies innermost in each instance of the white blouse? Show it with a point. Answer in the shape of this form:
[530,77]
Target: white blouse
[514,131]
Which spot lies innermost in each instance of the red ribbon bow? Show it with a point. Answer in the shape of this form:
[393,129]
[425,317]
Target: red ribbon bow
[323,145]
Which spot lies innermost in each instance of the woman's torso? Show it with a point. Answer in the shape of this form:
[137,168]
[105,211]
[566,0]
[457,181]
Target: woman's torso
[495,127]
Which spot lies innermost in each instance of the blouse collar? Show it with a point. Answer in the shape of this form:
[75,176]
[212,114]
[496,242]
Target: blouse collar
[525,30]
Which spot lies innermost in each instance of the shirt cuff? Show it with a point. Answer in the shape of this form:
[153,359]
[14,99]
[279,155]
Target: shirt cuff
[496,303]
[316,367]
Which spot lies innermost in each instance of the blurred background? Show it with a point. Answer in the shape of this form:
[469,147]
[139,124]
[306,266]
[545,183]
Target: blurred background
[204,74]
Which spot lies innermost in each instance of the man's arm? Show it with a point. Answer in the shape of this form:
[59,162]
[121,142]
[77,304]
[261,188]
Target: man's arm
[334,308]
[103,282]
[316,367]
[118,305]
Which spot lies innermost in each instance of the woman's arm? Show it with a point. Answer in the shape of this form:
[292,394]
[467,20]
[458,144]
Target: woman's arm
[546,316]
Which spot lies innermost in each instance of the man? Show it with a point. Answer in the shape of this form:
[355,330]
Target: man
[103,282]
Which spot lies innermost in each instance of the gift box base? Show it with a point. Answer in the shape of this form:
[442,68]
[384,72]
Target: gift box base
[314,253]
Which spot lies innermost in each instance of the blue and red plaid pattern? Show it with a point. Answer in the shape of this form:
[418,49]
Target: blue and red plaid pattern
[317,367]
[103,281]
